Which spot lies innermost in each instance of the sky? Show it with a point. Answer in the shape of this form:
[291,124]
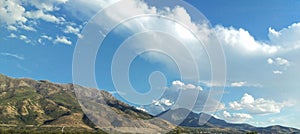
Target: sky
[260,42]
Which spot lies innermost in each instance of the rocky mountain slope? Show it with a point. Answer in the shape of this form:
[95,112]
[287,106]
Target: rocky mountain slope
[49,106]
[45,104]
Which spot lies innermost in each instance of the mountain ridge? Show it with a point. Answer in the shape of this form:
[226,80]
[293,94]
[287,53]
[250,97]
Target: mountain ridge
[192,120]
[45,104]
[41,103]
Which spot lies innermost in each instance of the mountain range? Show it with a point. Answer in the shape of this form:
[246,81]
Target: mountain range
[43,105]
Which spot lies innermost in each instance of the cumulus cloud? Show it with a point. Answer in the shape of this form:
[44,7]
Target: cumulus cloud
[12,35]
[12,28]
[49,5]
[46,37]
[11,12]
[238,39]
[15,14]
[24,38]
[163,101]
[277,72]
[241,40]
[158,106]
[236,117]
[73,30]
[84,9]
[39,14]
[43,38]
[282,62]
[288,37]
[180,85]
[63,40]
[270,61]
[257,106]
[279,64]
[27,28]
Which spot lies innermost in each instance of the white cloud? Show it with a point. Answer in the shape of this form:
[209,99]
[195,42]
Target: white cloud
[205,102]
[240,48]
[24,38]
[48,5]
[211,83]
[70,29]
[166,102]
[19,57]
[73,30]
[11,12]
[288,37]
[158,106]
[84,9]
[16,14]
[141,108]
[282,62]
[46,37]
[226,114]
[40,40]
[270,61]
[279,62]
[39,14]
[12,35]
[236,117]
[277,72]
[221,107]
[240,40]
[163,101]
[230,84]
[180,85]
[238,84]
[257,106]
[12,28]
[62,39]
[27,28]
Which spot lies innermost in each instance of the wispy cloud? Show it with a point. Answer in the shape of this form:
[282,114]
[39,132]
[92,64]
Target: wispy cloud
[12,55]
[23,68]
[229,84]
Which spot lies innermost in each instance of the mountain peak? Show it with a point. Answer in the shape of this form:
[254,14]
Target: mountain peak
[46,104]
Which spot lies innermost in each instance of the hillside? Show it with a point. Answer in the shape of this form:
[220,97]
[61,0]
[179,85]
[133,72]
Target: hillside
[43,106]
[26,102]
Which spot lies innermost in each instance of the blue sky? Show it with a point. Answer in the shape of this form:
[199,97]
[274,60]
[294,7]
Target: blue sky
[260,42]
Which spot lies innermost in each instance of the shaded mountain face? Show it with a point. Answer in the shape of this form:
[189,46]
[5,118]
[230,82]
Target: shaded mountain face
[42,103]
[193,120]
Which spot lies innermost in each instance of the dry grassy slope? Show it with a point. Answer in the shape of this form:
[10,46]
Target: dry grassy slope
[29,102]
[42,103]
